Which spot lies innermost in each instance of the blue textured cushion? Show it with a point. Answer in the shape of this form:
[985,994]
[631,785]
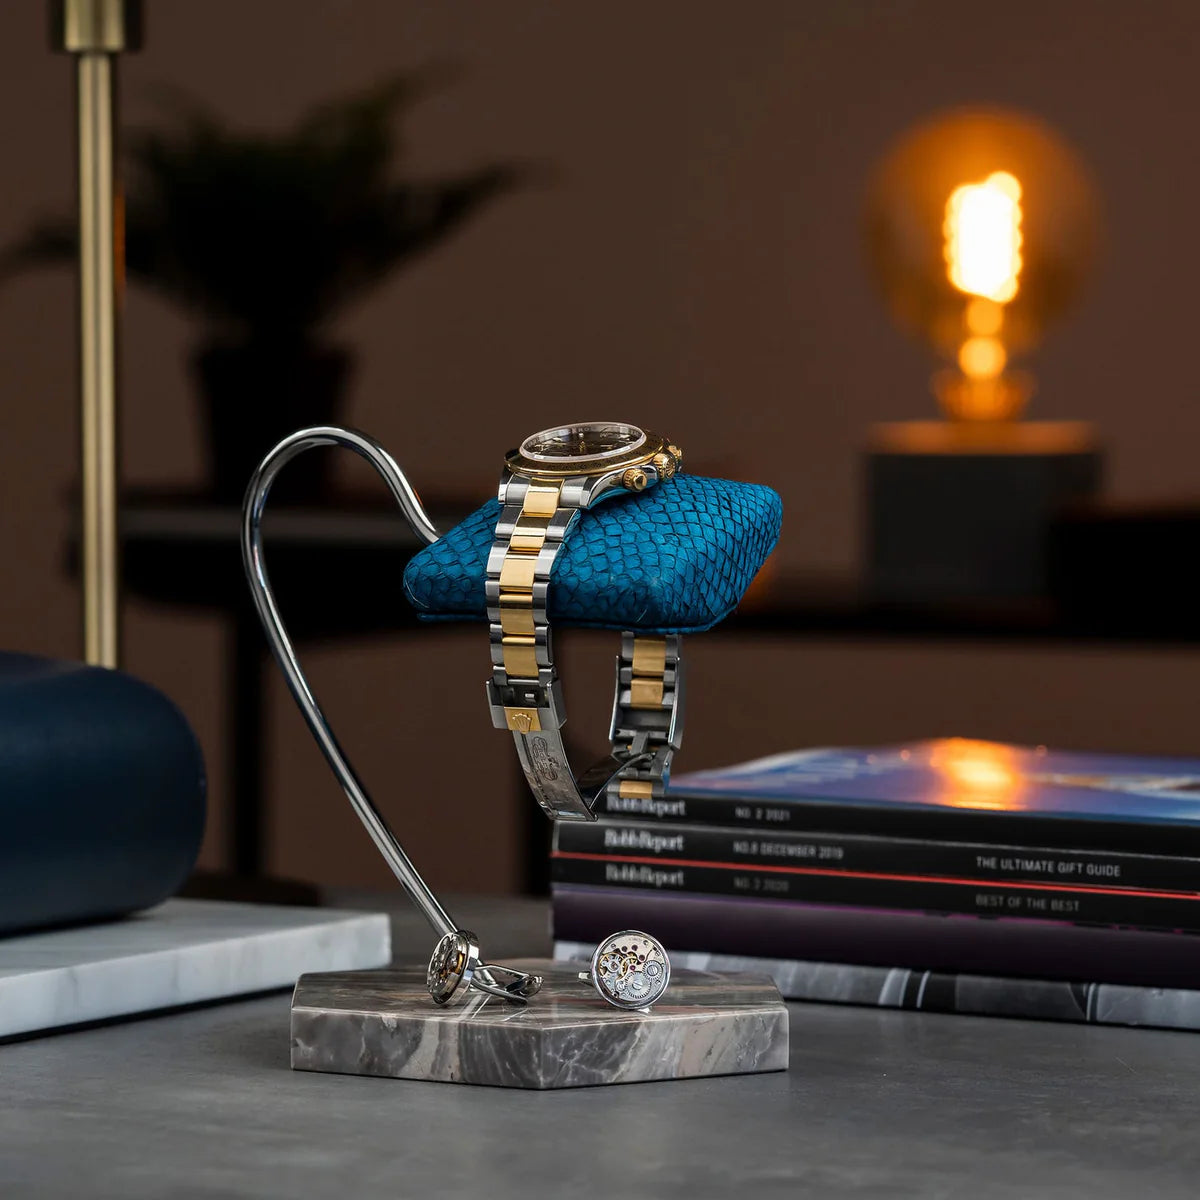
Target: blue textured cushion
[674,559]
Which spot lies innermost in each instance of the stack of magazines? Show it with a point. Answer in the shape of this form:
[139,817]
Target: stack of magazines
[953,875]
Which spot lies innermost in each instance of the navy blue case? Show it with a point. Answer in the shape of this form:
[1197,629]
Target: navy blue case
[102,794]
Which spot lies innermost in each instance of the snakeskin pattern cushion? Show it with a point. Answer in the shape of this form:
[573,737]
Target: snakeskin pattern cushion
[674,559]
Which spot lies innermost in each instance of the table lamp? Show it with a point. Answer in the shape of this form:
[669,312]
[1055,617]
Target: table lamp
[981,229]
[95,33]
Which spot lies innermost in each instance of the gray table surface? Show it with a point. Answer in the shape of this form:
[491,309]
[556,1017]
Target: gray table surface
[877,1103]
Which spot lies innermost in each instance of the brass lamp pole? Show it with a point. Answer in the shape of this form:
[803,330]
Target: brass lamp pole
[95,32]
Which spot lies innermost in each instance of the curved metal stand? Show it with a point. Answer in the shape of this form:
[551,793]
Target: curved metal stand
[285,655]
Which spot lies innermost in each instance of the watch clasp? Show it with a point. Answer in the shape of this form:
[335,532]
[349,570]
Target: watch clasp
[525,707]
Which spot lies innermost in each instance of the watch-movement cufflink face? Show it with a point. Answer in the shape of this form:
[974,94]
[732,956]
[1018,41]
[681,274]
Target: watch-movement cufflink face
[452,966]
[456,969]
[630,970]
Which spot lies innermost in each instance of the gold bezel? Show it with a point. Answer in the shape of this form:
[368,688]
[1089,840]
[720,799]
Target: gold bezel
[654,444]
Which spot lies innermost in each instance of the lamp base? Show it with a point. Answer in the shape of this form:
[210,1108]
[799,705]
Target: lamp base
[960,511]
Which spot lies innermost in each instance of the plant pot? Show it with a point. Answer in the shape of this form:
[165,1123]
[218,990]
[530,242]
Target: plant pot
[255,393]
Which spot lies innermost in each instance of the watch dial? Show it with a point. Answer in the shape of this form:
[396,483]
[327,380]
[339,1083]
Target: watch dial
[587,439]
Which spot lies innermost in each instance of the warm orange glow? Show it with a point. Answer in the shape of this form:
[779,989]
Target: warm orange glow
[978,774]
[980,223]
[983,317]
[982,402]
[982,357]
[983,237]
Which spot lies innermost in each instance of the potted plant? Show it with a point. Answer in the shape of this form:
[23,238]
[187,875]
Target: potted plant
[266,237]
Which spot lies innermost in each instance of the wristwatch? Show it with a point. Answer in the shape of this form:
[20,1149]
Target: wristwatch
[546,483]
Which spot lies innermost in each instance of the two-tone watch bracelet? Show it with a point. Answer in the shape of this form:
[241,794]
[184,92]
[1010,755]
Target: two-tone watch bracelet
[524,691]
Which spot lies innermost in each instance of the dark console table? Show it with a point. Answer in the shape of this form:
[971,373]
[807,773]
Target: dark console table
[199,1105]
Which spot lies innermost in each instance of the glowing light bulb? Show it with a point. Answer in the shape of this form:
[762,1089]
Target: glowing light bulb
[983,237]
[981,227]
[983,259]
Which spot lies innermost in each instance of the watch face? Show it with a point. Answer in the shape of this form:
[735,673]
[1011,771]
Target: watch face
[586,440]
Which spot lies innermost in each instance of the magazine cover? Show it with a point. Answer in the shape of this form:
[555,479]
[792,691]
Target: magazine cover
[961,773]
[948,787]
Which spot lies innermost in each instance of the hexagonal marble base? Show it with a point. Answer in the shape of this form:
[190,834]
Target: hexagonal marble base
[384,1023]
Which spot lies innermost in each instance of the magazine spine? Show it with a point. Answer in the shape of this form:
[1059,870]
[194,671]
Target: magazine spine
[909,821]
[833,852]
[1142,909]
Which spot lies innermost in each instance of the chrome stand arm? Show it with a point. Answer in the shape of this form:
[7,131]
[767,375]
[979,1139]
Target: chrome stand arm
[285,653]
[456,966]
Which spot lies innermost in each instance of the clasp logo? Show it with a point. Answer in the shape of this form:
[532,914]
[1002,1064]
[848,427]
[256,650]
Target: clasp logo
[544,763]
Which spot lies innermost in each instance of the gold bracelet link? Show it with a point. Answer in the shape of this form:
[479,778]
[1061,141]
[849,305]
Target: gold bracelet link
[649,668]
[521,650]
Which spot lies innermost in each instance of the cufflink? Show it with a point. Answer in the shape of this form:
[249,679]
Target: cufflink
[455,969]
[630,970]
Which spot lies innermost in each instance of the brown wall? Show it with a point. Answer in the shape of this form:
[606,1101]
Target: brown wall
[696,269]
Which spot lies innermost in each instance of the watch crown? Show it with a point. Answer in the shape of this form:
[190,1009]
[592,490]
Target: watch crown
[635,479]
[665,464]
[675,450]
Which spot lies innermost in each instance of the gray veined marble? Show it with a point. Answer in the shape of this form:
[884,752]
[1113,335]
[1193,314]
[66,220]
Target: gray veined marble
[383,1023]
